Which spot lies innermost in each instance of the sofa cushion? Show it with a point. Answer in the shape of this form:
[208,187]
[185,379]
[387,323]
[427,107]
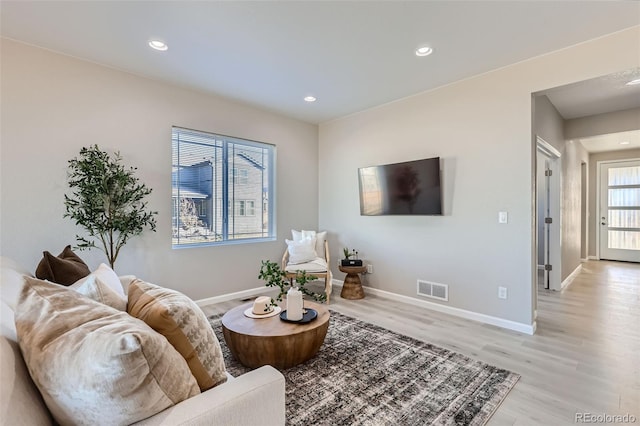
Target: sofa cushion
[106,276]
[11,281]
[20,401]
[94,364]
[65,269]
[185,326]
[95,289]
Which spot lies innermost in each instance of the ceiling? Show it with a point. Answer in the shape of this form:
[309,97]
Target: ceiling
[612,141]
[600,95]
[351,55]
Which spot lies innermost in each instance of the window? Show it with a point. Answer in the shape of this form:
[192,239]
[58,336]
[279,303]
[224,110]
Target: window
[245,208]
[216,183]
[240,176]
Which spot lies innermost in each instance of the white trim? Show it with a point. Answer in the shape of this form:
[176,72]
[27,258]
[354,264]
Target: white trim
[567,281]
[461,313]
[593,258]
[244,294]
[546,148]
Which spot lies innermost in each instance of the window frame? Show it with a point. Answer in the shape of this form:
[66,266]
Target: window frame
[228,182]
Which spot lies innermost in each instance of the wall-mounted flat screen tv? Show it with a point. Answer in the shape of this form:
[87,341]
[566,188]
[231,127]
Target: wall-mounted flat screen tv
[409,188]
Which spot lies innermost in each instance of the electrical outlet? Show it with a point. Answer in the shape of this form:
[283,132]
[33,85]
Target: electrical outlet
[502,292]
[369,268]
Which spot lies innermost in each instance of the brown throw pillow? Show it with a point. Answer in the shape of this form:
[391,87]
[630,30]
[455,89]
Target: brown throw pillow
[185,326]
[93,364]
[65,269]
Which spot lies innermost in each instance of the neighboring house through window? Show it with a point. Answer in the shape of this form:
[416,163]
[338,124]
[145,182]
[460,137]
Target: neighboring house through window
[216,183]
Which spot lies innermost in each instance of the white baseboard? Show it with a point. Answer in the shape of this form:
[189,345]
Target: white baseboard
[462,313]
[593,258]
[244,294]
[567,281]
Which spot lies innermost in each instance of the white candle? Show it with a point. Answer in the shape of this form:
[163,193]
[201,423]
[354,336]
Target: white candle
[294,304]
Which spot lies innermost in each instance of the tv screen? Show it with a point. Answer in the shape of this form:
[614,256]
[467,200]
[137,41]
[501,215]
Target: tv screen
[409,188]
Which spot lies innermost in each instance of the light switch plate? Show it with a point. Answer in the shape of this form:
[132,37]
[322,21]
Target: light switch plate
[503,217]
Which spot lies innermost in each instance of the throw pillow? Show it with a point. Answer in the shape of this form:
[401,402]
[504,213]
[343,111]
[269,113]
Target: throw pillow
[108,277]
[185,326]
[302,251]
[94,364]
[65,269]
[320,239]
[95,289]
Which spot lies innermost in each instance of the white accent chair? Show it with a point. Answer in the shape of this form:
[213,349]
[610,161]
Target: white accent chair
[317,265]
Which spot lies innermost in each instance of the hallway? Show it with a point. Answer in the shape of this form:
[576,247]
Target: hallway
[594,325]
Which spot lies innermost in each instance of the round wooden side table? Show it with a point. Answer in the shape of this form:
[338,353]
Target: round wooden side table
[262,341]
[352,287]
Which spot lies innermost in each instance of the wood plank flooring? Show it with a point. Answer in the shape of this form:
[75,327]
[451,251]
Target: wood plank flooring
[584,357]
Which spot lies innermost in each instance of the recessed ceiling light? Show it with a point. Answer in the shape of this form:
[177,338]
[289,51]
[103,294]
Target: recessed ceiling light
[158,45]
[424,51]
[309,98]
[624,143]
[634,82]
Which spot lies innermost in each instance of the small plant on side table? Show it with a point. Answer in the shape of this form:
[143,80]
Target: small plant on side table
[348,254]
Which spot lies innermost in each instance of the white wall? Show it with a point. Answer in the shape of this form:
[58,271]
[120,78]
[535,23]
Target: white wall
[52,105]
[573,156]
[482,129]
[602,124]
[550,125]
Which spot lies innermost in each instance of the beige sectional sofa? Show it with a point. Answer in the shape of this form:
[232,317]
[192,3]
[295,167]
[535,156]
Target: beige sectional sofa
[257,397]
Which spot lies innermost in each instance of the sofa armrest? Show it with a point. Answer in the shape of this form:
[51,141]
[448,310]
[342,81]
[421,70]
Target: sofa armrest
[255,398]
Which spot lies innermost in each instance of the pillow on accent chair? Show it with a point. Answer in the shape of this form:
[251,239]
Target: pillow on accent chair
[301,251]
[65,269]
[185,326]
[319,236]
[94,364]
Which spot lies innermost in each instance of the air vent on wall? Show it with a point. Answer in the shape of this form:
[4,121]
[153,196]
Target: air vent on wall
[433,290]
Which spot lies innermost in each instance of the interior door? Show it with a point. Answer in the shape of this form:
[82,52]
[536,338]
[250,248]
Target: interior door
[546,224]
[620,211]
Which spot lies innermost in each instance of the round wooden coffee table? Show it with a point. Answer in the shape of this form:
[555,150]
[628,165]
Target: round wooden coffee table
[258,342]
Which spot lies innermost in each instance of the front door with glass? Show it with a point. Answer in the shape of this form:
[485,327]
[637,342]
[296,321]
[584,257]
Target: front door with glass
[619,218]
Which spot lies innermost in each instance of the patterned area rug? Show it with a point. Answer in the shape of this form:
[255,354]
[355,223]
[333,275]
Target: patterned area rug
[367,375]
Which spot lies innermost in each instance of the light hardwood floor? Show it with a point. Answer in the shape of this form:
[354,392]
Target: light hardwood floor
[584,357]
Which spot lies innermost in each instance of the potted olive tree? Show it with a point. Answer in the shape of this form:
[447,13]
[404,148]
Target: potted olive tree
[107,200]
